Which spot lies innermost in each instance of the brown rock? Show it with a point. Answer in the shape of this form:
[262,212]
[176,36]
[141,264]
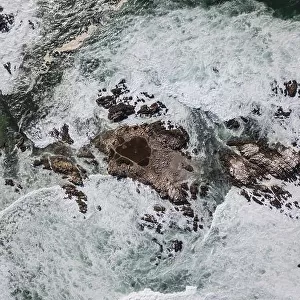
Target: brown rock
[291,88]
[150,154]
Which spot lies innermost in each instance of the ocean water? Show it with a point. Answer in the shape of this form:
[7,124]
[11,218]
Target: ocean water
[208,61]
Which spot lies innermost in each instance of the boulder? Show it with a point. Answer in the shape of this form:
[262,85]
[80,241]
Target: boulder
[291,88]
[120,112]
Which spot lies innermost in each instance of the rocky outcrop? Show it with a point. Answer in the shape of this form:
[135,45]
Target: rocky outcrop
[121,105]
[252,165]
[252,161]
[6,21]
[150,154]
[62,165]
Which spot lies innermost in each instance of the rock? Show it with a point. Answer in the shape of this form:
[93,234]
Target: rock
[62,165]
[252,164]
[65,136]
[6,22]
[151,110]
[281,114]
[232,124]
[81,199]
[159,208]
[9,182]
[256,160]
[177,245]
[150,154]
[7,66]
[187,211]
[291,88]
[120,112]
[106,101]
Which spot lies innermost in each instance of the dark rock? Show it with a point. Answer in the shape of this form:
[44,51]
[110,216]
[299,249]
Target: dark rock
[6,22]
[9,182]
[282,114]
[31,24]
[106,101]
[177,245]
[232,124]
[65,136]
[189,168]
[194,190]
[62,135]
[159,208]
[7,66]
[81,199]
[120,112]
[187,211]
[204,190]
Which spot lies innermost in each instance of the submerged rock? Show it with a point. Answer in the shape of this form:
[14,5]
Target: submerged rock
[150,154]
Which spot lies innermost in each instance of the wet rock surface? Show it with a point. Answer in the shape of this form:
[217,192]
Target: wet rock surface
[150,154]
[120,104]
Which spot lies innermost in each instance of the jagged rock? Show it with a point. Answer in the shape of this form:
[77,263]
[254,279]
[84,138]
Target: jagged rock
[150,154]
[232,124]
[63,135]
[120,112]
[7,66]
[81,198]
[62,165]
[151,110]
[6,22]
[194,190]
[9,182]
[253,161]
